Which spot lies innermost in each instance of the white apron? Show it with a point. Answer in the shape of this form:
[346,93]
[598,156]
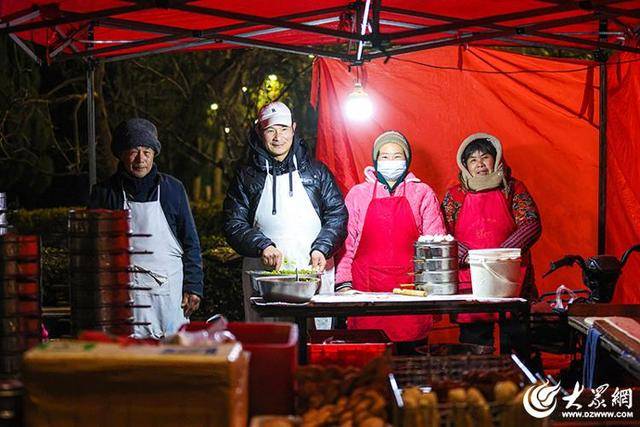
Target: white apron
[293,229]
[161,271]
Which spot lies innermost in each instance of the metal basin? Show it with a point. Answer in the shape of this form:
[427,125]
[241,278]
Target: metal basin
[254,275]
[288,289]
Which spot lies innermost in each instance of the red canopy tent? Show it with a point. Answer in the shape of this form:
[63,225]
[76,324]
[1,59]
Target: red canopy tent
[551,114]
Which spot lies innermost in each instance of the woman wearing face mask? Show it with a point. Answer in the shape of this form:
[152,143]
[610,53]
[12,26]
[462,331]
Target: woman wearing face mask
[387,214]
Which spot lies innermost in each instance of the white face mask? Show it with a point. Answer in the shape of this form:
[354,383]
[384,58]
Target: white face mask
[391,170]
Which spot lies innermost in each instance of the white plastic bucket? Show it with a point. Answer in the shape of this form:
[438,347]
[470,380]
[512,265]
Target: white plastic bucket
[495,272]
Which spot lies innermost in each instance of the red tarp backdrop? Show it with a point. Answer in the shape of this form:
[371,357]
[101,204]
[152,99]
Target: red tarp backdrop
[623,169]
[544,112]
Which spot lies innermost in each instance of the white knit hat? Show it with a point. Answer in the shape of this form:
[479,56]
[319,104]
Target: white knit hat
[275,113]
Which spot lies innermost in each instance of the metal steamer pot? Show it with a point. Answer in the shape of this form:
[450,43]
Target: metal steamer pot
[4,225]
[434,264]
[429,250]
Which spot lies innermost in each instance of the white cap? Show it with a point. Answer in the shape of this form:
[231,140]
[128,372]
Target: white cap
[275,113]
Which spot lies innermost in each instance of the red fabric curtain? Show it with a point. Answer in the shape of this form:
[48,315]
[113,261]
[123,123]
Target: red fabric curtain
[623,172]
[544,112]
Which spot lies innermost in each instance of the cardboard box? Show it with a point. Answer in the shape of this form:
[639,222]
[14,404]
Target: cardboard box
[76,383]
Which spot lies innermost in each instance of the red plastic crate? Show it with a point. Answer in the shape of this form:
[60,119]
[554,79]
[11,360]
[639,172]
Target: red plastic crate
[274,360]
[357,347]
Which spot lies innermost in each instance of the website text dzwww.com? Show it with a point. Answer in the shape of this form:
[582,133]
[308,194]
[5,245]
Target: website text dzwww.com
[597,414]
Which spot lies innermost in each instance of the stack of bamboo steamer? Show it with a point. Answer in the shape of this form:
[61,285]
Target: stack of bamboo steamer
[436,264]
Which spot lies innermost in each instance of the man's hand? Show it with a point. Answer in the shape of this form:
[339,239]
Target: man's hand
[272,257]
[190,303]
[318,261]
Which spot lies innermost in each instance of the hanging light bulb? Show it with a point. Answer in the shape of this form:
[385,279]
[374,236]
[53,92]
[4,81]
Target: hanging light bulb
[358,106]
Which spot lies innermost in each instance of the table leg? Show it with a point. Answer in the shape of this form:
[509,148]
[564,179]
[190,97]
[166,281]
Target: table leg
[514,333]
[302,339]
[505,344]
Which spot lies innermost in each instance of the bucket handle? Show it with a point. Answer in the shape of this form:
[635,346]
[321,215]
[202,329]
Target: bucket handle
[495,274]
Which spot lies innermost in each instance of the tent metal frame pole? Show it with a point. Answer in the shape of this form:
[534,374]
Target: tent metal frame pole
[70,18]
[602,154]
[186,36]
[512,31]
[512,39]
[494,19]
[91,114]
[239,41]
[19,18]
[268,21]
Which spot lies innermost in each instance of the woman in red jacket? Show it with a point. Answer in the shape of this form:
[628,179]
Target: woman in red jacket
[489,209]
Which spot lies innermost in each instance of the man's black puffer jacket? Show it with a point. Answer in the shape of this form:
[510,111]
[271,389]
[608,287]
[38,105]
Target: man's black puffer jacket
[246,188]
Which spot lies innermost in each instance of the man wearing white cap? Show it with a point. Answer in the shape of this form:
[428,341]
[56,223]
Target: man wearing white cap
[283,210]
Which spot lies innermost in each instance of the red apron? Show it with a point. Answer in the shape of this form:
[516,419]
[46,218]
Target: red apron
[484,222]
[383,261]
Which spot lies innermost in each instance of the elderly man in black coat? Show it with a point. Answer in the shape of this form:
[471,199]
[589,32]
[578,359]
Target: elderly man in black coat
[159,207]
